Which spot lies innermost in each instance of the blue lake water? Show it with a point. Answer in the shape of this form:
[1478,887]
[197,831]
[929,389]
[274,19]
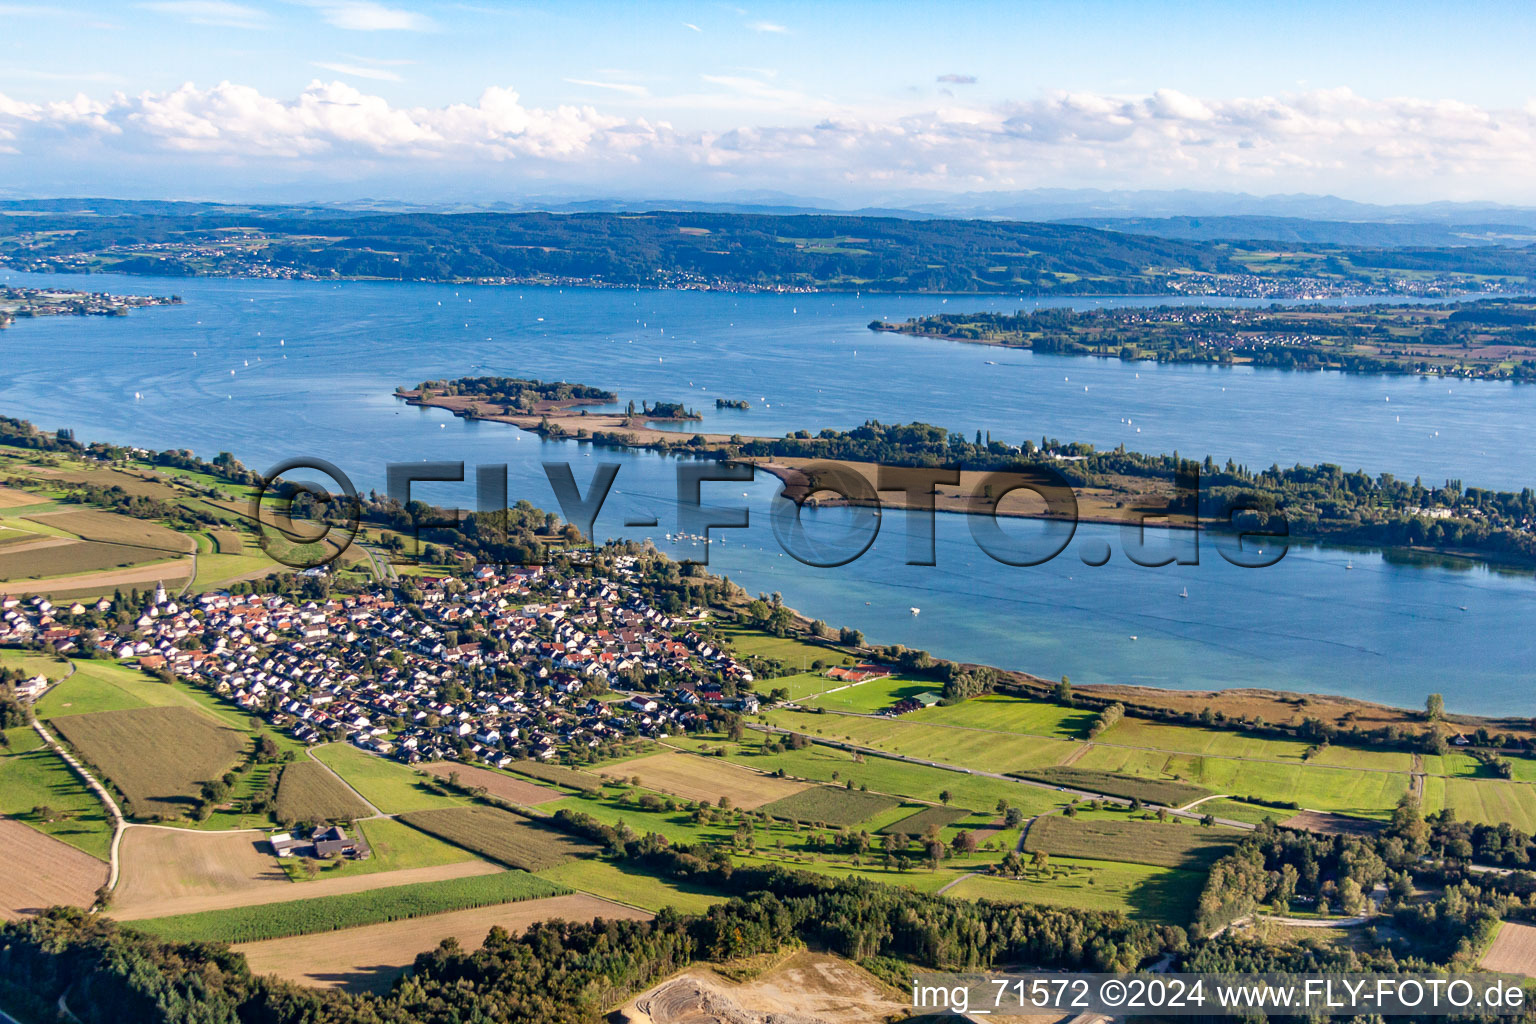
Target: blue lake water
[314,365]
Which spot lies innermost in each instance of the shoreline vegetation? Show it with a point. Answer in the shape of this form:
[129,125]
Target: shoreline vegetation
[26,303]
[1487,339]
[1322,503]
[737,252]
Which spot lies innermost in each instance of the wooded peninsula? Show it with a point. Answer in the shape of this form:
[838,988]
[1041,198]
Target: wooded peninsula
[1490,338]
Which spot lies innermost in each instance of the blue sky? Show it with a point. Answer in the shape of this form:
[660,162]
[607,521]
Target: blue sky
[856,101]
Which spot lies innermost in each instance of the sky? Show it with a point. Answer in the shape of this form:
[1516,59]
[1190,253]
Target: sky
[847,102]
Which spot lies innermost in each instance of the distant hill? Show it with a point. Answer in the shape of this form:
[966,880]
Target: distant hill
[1312,232]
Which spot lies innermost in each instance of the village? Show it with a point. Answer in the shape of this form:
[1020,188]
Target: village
[405,683]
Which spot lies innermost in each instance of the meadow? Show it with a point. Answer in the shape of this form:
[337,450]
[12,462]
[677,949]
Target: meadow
[501,836]
[390,786]
[705,778]
[633,885]
[40,779]
[349,910]
[930,739]
[929,817]
[1140,891]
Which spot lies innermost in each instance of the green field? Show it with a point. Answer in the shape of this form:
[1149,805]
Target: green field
[352,910]
[42,779]
[567,777]
[1480,801]
[1366,794]
[158,758]
[830,805]
[986,749]
[31,663]
[632,885]
[866,698]
[1237,810]
[1010,714]
[501,836]
[883,775]
[1172,844]
[1155,791]
[388,785]
[793,652]
[308,792]
[1141,891]
[929,817]
[396,847]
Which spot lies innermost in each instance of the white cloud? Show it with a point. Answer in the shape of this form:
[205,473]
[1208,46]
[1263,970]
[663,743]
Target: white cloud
[689,24]
[354,71]
[218,13]
[766,26]
[629,89]
[367,16]
[768,136]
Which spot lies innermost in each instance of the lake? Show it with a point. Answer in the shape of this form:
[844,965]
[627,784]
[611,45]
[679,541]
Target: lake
[272,369]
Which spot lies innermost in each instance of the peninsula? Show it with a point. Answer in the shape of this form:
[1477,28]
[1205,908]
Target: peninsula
[1323,502]
[25,303]
[1489,338]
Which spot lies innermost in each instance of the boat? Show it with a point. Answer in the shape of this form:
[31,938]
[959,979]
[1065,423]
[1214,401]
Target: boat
[1133,636]
[914,610]
[1184,592]
[1349,564]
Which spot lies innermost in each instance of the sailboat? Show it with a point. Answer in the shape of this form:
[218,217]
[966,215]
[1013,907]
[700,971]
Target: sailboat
[1349,564]
[914,610]
[1184,592]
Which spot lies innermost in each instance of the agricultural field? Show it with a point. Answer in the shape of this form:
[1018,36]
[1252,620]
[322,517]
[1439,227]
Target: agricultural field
[971,748]
[390,786]
[707,779]
[1483,801]
[371,957]
[1238,810]
[500,836]
[556,775]
[496,784]
[1169,845]
[919,823]
[39,789]
[1001,713]
[1155,791]
[1140,891]
[830,805]
[632,885]
[1367,794]
[1513,950]
[793,652]
[112,528]
[820,763]
[43,872]
[158,758]
[307,915]
[21,564]
[308,792]
[165,868]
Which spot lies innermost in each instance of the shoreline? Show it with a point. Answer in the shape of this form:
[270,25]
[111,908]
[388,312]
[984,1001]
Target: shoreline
[1100,506]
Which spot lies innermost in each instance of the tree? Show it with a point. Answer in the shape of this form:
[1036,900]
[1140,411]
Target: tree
[945,796]
[1041,861]
[1064,691]
[1434,707]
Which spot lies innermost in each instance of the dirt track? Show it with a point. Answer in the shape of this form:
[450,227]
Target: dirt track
[40,871]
